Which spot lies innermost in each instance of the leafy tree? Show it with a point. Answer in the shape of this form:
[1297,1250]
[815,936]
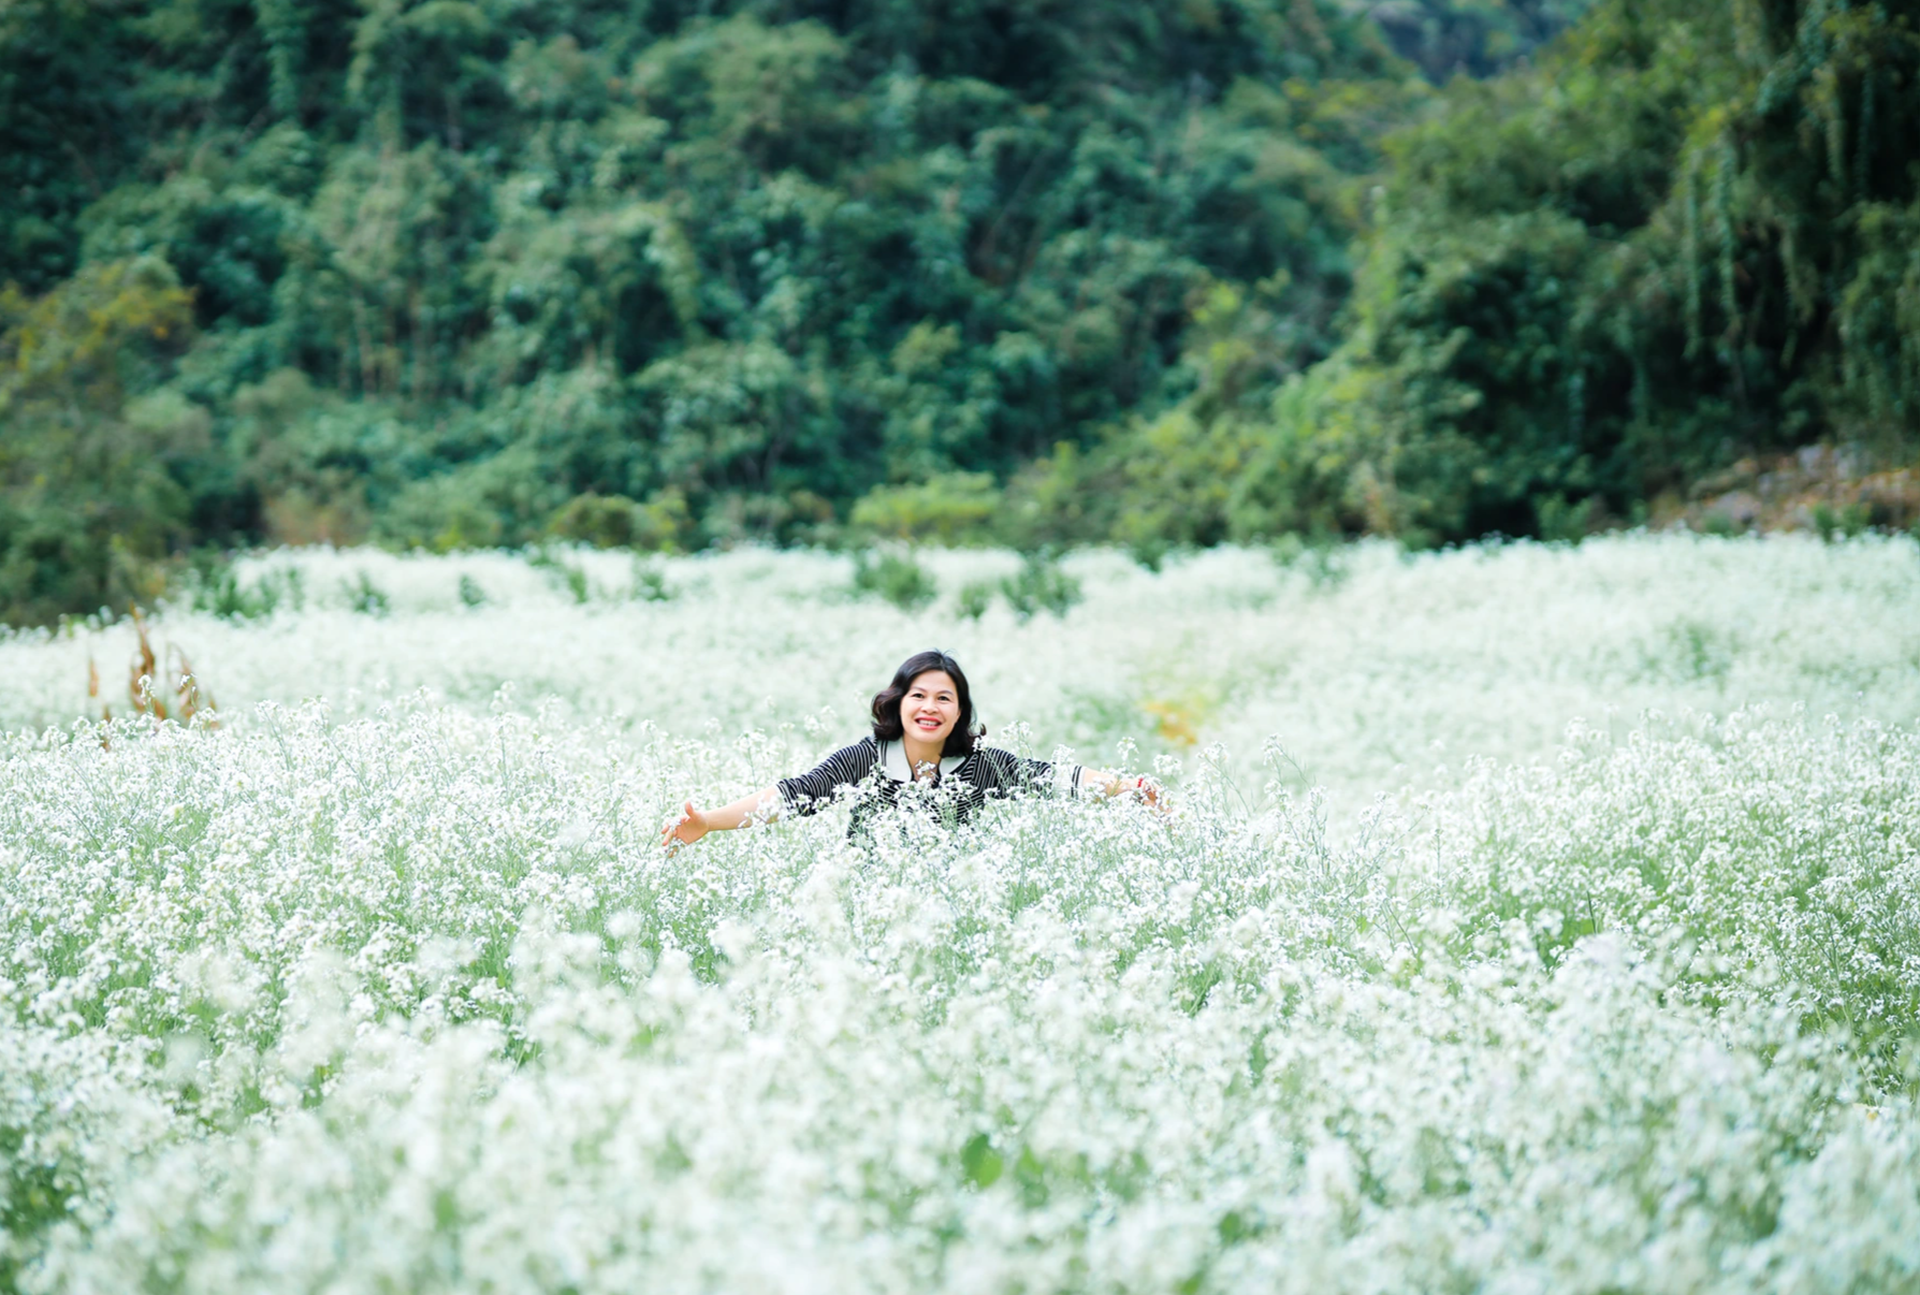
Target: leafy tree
[93,478]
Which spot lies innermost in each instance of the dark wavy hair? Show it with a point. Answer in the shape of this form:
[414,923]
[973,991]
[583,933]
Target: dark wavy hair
[886,703]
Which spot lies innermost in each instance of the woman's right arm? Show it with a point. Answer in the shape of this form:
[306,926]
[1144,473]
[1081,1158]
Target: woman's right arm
[802,795]
[695,823]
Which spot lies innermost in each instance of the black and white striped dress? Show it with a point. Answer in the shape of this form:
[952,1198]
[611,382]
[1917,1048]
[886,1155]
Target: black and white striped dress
[961,786]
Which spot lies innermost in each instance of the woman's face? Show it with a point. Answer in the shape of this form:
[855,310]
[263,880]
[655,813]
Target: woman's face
[931,707]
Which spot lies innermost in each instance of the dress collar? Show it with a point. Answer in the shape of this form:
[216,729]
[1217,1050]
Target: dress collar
[893,762]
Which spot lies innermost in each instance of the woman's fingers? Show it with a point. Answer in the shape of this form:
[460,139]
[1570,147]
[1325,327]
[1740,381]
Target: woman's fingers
[677,830]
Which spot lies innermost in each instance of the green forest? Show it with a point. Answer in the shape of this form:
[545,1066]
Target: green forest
[682,273]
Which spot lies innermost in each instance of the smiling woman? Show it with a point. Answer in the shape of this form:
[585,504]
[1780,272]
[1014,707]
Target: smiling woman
[924,733]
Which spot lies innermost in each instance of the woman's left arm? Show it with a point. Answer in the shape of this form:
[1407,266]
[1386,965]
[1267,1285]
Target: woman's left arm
[1022,772]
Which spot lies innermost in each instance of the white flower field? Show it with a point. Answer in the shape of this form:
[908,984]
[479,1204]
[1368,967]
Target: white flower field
[1527,919]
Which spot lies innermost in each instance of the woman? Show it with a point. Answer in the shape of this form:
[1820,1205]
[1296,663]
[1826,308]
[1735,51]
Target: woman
[923,733]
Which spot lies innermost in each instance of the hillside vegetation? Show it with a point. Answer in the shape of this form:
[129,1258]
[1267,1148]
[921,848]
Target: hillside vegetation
[1685,236]
[458,274]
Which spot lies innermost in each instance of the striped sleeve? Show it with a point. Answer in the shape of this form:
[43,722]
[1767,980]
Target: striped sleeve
[1008,773]
[814,789]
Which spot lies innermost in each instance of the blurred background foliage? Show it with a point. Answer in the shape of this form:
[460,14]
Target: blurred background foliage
[455,273]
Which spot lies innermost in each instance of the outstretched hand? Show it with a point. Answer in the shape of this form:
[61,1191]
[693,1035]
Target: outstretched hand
[689,827]
[1138,787]
[1150,791]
